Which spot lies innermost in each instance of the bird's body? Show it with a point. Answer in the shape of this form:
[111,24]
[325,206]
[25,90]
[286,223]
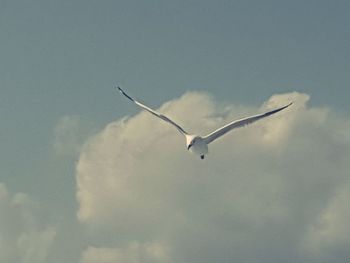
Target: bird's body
[195,144]
[198,144]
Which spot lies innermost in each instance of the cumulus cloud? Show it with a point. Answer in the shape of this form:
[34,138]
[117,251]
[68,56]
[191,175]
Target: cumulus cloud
[329,235]
[23,236]
[133,253]
[270,192]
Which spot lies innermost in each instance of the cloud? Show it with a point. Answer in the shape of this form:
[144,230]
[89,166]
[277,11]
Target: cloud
[133,253]
[265,193]
[329,235]
[23,236]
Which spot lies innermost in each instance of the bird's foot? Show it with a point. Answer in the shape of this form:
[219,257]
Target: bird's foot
[202,157]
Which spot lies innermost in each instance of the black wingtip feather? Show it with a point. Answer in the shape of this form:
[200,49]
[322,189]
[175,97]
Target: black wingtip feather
[277,110]
[126,95]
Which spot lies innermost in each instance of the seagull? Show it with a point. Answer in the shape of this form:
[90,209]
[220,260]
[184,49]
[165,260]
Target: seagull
[199,144]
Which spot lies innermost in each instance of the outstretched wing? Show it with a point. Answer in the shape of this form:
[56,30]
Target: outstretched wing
[161,116]
[239,123]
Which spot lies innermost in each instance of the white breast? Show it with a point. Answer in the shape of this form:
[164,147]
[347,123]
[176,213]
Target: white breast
[199,147]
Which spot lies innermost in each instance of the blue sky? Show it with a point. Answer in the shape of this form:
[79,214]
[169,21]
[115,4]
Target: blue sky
[62,58]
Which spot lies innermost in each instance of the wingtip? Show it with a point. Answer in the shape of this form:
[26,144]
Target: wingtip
[120,90]
[289,104]
[123,92]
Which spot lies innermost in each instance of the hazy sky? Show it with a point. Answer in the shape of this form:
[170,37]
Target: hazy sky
[59,61]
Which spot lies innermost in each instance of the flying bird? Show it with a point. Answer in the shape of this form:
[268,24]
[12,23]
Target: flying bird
[199,144]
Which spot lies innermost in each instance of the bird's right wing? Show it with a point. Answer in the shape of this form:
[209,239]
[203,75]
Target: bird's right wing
[161,116]
[239,123]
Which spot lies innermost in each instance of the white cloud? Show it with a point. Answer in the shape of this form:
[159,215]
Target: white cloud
[330,233]
[133,253]
[257,197]
[24,237]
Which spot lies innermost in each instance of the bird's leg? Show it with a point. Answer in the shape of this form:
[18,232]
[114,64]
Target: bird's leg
[202,156]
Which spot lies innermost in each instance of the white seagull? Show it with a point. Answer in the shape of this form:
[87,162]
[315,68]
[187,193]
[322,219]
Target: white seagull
[199,144]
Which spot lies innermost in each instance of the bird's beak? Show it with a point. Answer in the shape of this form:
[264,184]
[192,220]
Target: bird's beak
[189,146]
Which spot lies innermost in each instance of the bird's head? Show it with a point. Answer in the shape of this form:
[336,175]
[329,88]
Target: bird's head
[190,140]
[190,145]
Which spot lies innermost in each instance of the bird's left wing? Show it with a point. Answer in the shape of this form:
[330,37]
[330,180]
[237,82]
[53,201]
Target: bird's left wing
[239,123]
[161,116]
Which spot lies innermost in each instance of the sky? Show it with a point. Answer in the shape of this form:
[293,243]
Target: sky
[86,177]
